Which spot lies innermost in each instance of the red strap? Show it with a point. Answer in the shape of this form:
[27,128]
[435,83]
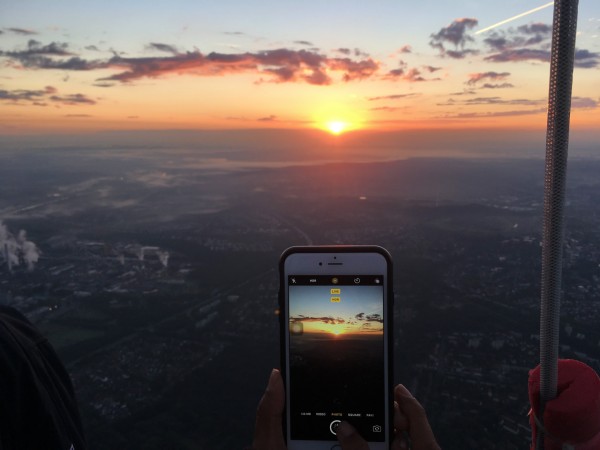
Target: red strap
[573,417]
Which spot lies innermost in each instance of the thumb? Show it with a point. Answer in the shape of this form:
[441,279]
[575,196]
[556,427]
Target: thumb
[349,437]
[268,432]
[419,430]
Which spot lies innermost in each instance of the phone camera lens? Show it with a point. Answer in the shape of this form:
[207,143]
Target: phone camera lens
[320,263]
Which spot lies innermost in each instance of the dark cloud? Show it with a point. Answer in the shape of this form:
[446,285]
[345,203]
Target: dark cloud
[234,33]
[304,43]
[536,28]
[270,118]
[523,36]
[385,108]
[496,86]
[431,69]
[466,92]
[72,99]
[494,114]
[21,95]
[460,54]
[411,75]
[502,101]
[330,320]
[38,56]
[283,65]
[74,63]
[405,49]
[162,47]
[78,115]
[583,102]
[356,52]
[353,70]
[496,43]
[369,317]
[21,31]
[456,35]
[474,78]
[36,48]
[520,54]
[585,59]
[394,74]
[41,97]
[374,318]
[92,48]
[391,97]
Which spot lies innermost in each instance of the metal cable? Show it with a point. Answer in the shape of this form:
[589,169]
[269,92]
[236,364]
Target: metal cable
[557,143]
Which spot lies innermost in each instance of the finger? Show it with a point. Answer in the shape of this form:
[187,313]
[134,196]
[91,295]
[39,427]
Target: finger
[268,433]
[400,419]
[400,441]
[419,429]
[349,438]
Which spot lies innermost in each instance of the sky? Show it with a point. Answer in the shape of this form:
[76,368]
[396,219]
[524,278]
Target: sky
[75,67]
[351,310]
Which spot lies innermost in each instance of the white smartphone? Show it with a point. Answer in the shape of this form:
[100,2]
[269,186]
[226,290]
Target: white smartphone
[336,344]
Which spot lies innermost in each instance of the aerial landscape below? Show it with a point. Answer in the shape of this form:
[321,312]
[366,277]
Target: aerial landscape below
[158,285]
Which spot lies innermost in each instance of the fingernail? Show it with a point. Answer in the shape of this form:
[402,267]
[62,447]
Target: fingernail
[273,377]
[344,430]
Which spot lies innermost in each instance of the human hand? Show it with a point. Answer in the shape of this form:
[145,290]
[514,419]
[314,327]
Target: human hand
[411,427]
[268,430]
[412,430]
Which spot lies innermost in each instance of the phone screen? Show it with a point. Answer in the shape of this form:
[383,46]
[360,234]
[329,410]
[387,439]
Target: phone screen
[336,355]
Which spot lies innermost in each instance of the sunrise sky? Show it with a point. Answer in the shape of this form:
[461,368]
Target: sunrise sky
[359,310]
[81,66]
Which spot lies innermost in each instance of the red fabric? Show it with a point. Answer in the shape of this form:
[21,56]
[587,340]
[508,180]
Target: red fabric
[573,417]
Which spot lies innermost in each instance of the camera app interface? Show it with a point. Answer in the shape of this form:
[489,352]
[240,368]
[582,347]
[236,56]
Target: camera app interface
[336,353]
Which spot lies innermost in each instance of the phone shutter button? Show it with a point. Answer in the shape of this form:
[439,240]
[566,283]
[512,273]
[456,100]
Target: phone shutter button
[333,426]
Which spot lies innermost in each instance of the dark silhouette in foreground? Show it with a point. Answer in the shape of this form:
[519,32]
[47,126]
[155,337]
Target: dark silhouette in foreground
[38,409]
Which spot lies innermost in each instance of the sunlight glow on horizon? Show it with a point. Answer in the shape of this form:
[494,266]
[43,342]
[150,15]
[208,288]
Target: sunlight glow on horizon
[427,70]
[336,126]
[337,329]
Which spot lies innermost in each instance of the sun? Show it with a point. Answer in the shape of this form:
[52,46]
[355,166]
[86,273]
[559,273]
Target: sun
[336,330]
[336,126]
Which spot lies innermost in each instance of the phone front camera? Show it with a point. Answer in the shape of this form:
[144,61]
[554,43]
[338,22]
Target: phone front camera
[320,263]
